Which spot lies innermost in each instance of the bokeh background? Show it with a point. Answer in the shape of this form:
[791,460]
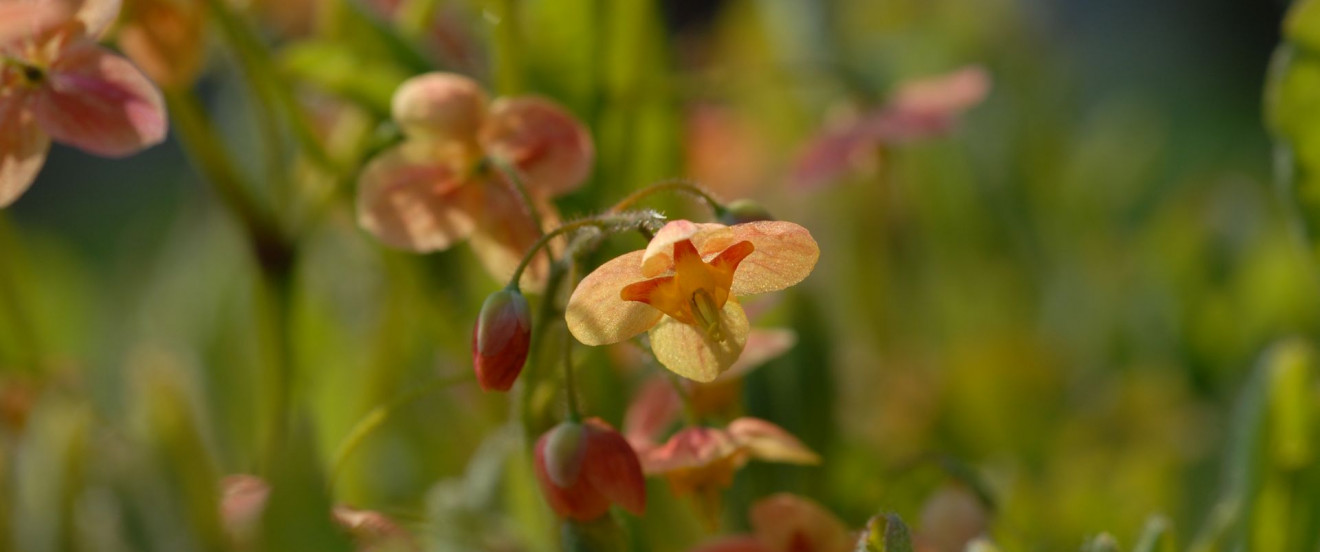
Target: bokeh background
[1060,301]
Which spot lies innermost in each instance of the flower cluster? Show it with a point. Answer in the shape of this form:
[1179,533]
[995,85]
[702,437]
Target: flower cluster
[57,83]
[448,180]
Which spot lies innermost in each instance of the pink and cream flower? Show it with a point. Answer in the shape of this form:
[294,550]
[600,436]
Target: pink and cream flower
[681,290]
[699,458]
[439,187]
[57,83]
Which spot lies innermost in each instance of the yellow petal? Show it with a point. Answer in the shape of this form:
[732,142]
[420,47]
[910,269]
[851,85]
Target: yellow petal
[596,315]
[692,353]
[785,254]
[659,257]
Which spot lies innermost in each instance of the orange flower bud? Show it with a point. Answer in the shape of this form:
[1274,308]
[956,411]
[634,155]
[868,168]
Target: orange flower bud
[500,339]
[583,468]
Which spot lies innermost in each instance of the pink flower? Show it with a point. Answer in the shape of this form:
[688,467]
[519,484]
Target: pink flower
[57,83]
[700,459]
[438,187]
[583,468]
[787,523]
[917,109]
[681,291]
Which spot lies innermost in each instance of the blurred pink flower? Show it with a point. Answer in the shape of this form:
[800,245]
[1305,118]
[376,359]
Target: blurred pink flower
[57,83]
[917,109]
[438,188]
[681,291]
[787,523]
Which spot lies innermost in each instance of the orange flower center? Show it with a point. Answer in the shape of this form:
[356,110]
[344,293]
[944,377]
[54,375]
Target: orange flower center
[697,291]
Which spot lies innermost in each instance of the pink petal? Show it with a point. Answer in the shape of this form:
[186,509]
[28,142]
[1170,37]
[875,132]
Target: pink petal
[708,238]
[415,197]
[440,105]
[20,19]
[928,107]
[693,447]
[785,254]
[763,345]
[165,38]
[769,442]
[242,501]
[596,314]
[23,147]
[741,543]
[692,353]
[612,467]
[99,102]
[786,522]
[831,154]
[374,530]
[655,407]
[547,144]
[506,231]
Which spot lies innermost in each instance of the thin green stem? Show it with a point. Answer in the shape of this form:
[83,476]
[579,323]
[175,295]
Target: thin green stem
[545,239]
[508,61]
[378,415]
[690,414]
[570,385]
[676,185]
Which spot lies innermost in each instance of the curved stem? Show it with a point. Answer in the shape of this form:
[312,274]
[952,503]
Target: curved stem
[570,385]
[377,416]
[676,185]
[545,239]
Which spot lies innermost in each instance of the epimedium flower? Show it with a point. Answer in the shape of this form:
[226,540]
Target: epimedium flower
[443,183]
[917,109]
[584,467]
[166,38]
[701,461]
[682,289]
[785,522]
[57,83]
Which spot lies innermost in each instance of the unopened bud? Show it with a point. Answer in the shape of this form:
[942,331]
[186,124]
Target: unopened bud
[565,445]
[741,211]
[500,339]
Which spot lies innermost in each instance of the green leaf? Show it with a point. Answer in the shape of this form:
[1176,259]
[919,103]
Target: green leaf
[885,533]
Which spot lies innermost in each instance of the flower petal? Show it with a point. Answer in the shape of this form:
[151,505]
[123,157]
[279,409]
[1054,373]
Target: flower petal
[788,522]
[596,314]
[832,153]
[506,231]
[23,148]
[440,105]
[707,237]
[769,442]
[785,254]
[547,144]
[693,447]
[655,407]
[99,102]
[95,15]
[18,19]
[692,353]
[414,197]
[165,39]
[612,467]
[579,501]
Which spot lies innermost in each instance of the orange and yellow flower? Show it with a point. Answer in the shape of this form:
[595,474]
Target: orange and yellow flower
[682,289]
[439,187]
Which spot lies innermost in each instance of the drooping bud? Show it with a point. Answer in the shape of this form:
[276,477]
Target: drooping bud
[740,211]
[500,339]
[607,473]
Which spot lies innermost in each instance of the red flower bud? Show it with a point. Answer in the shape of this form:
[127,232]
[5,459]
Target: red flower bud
[500,339]
[596,467]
